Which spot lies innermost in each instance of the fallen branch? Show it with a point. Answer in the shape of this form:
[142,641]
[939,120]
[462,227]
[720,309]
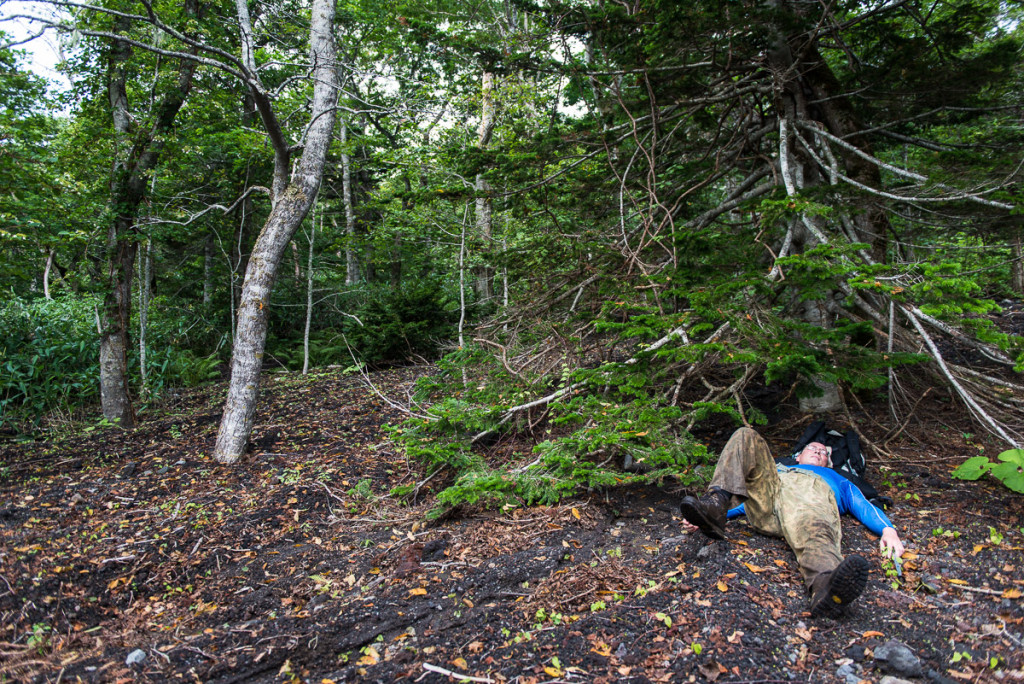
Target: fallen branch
[448,673]
[979,590]
[972,404]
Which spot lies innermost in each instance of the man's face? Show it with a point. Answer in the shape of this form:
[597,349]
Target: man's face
[815,454]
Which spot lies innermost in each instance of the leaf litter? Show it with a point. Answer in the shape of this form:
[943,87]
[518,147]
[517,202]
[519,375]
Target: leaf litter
[295,565]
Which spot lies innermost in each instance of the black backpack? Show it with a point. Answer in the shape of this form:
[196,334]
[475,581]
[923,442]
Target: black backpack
[846,455]
[847,459]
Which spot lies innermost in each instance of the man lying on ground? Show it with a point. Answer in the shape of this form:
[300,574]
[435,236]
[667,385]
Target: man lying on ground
[800,503]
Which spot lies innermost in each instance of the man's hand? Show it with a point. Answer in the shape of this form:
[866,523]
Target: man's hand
[890,544]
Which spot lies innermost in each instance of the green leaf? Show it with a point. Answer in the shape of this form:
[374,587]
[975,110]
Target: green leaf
[973,468]
[1010,475]
[1013,456]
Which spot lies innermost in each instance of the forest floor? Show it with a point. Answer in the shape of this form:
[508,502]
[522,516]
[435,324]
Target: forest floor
[295,565]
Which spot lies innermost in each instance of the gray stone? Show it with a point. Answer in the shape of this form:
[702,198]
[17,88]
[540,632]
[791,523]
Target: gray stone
[849,673]
[896,658]
[136,657]
[708,550]
[889,679]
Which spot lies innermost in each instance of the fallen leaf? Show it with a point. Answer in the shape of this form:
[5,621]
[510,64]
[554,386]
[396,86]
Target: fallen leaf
[871,633]
[722,586]
[575,514]
[553,672]
[754,568]
[418,591]
[370,657]
[735,638]
[803,633]
[956,581]
[1011,593]
[624,671]
[476,646]
[780,563]
[711,670]
[460,663]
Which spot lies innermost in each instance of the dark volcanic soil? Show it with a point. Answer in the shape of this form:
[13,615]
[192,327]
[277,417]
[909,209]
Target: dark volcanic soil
[294,565]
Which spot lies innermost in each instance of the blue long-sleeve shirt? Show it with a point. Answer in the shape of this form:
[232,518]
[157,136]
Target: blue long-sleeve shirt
[848,497]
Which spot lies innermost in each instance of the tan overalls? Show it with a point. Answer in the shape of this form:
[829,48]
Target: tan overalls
[793,504]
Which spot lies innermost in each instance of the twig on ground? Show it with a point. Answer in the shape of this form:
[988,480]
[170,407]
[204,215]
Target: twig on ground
[979,590]
[448,673]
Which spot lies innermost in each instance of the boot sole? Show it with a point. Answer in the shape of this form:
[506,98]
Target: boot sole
[694,514]
[845,586]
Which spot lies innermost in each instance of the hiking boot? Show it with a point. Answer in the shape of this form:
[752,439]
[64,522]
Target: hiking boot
[707,512]
[833,591]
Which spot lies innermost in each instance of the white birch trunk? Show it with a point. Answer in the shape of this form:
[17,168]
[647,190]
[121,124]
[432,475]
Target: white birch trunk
[208,270]
[309,297]
[291,202]
[484,226]
[46,273]
[144,295]
[351,264]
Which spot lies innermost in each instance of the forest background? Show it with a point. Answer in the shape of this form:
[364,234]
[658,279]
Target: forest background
[614,221]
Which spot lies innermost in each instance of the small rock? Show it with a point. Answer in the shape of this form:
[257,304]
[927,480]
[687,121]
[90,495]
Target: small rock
[855,653]
[163,471]
[897,658]
[938,678]
[708,550]
[889,679]
[849,672]
[128,470]
[136,657]
[621,651]
[77,499]
[434,549]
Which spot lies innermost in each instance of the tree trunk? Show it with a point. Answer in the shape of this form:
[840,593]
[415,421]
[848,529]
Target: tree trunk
[1018,266]
[208,269]
[144,294]
[309,297]
[291,202]
[46,273]
[484,227]
[351,263]
[872,224]
[134,159]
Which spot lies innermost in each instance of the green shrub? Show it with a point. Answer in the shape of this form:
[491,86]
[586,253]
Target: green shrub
[403,323]
[49,357]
